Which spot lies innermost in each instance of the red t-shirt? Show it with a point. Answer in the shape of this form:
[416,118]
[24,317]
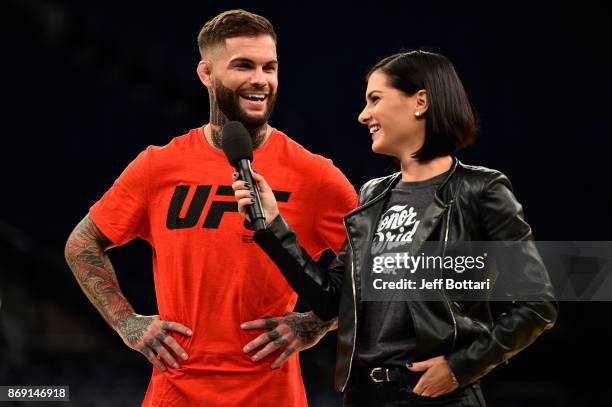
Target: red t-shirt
[209,275]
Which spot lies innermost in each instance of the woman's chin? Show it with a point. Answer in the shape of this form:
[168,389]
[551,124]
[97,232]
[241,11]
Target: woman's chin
[378,148]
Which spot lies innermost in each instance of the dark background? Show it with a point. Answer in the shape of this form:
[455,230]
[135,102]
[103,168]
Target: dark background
[87,86]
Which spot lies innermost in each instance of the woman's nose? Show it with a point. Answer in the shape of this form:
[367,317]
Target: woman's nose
[364,116]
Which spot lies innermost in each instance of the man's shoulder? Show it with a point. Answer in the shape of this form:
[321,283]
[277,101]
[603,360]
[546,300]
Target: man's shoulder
[178,144]
[294,150]
[319,168]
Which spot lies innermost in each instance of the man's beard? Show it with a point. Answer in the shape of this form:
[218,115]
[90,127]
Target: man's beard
[229,104]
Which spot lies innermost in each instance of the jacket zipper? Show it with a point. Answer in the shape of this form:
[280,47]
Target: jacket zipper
[367,204]
[354,307]
[448,304]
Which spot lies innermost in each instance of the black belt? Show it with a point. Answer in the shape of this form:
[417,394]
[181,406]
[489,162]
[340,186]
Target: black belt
[386,374]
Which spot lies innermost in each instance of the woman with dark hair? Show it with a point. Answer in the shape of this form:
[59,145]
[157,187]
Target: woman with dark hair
[417,352]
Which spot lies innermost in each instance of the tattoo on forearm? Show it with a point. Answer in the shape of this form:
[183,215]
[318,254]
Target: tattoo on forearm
[94,272]
[307,326]
[91,258]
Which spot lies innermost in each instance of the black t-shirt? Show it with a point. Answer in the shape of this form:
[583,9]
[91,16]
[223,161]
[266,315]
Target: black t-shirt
[385,333]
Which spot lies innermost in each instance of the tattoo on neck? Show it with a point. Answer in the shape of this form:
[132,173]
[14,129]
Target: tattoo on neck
[218,120]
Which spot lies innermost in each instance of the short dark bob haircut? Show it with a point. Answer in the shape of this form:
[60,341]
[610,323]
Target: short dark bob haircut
[451,124]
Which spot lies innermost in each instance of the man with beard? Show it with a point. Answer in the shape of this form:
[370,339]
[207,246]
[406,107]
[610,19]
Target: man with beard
[208,277]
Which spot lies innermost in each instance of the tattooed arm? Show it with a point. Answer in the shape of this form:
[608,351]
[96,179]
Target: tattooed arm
[298,331]
[86,255]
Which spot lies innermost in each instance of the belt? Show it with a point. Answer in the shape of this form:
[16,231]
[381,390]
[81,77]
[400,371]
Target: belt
[387,374]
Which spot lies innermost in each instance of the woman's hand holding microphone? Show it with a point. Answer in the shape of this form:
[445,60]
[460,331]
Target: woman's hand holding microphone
[243,192]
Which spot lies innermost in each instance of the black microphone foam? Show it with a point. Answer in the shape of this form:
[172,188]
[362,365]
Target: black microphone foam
[238,148]
[236,143]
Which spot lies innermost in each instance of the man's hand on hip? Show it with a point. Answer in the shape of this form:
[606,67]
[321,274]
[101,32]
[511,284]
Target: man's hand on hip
[293,333]
[150,336]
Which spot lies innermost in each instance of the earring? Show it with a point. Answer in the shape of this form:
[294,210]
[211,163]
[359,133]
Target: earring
[417,114]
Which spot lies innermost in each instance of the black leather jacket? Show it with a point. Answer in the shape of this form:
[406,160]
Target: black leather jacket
[472,204]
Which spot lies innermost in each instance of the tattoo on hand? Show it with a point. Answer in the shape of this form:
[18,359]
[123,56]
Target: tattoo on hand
[271,322]
[281,342]
[133,327]
[307,326]
[273,334]
[289,351]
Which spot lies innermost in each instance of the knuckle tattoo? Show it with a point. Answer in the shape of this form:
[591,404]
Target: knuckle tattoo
[273,334]
[281,342]
[271,322]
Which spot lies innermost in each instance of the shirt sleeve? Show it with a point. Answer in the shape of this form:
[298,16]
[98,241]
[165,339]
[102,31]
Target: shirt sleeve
[338,198]
[122,212]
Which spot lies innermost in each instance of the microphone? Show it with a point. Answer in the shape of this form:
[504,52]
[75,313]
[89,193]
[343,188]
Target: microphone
[238,148]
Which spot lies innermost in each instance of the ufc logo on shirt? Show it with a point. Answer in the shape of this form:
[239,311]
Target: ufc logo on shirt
[215,212]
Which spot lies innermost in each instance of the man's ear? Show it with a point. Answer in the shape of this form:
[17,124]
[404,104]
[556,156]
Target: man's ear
[204,71]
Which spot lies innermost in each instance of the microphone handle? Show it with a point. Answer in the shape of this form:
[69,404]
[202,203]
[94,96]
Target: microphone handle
[255,211]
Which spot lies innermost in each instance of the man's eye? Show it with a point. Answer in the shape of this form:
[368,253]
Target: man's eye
[270,69]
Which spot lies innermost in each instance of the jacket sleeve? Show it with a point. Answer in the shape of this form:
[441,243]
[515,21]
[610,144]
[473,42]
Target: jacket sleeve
[320,290]
[531,307]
